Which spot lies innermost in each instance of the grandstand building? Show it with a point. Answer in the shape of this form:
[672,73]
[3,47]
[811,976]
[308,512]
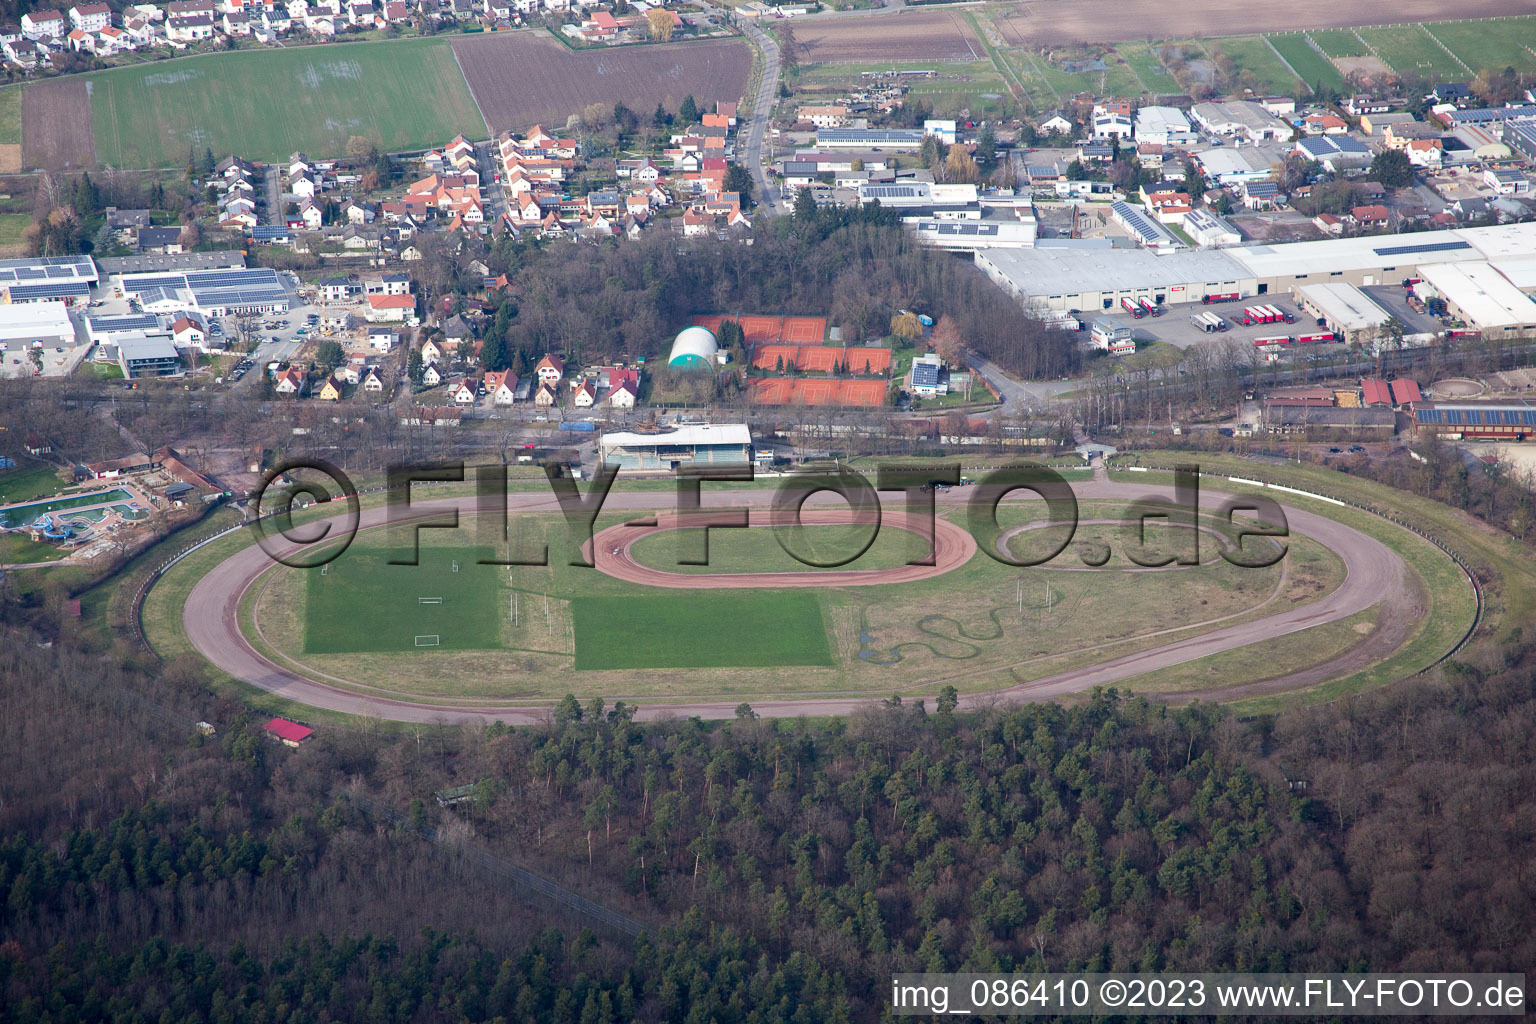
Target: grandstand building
[705,444]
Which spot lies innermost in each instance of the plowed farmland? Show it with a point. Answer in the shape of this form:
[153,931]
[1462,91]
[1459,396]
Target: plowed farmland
[523,78]
[55,125]
[1058,22]
[928,35]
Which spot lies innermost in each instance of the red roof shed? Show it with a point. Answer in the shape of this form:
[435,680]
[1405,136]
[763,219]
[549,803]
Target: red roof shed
[1376,392]
[1405,391]
[291,733]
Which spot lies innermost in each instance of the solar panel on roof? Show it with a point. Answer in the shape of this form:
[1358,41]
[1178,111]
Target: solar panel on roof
[1400,250]
[44,291]
[144,284]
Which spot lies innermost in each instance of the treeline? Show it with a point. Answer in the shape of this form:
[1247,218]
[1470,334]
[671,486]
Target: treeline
[787,867]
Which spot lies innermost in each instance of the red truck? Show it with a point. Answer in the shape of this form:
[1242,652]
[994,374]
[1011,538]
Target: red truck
[1279,339]
[1131,308]
[1315,339]
[1223,297]
[1150,307]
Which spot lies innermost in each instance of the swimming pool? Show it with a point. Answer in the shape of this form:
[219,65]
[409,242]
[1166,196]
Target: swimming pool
[14,516]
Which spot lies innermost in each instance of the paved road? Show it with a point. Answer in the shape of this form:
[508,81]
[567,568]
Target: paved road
[750,151]
[1374,575]
[1018,395]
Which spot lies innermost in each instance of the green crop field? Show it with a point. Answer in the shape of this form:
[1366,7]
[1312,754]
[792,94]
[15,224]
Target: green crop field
[10,116]
[1314,69]
[758,550]
[706,630]
[1338,42]
[1252,54]
[362,603]
[1490,45]
[1410,49]
[264,104]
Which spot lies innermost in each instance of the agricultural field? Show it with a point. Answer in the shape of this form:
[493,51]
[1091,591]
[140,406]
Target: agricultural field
[1118,21]
[53,114]
[266,103]
[1490,45]
[1411,49]
[1314,69]
[909,36]
[10,130]
[519,79]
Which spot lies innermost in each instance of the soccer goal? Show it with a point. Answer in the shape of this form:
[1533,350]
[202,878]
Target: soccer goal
[428,641]
[325,570]
[429,600]
[455,565]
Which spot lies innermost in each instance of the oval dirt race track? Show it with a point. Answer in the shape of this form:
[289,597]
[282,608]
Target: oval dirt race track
[953,547]
[1374,575]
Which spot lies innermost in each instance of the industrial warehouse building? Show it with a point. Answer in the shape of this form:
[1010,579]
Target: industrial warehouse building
[65,279]
[1092,274]
[1510,419]
[39,323]
[705,444]
[1348,312]
[219,292]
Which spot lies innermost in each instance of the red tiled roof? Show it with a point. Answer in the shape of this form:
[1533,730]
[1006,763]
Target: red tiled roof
[1376,392]
[1405,391]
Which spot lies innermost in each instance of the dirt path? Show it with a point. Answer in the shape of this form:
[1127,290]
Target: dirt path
[1375,575]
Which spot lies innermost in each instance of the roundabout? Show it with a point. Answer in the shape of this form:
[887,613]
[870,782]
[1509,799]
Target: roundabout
[988,629]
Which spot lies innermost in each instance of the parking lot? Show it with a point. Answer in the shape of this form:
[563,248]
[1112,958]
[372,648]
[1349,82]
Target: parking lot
[1175,326]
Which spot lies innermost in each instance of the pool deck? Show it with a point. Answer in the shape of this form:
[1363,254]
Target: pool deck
[136,496]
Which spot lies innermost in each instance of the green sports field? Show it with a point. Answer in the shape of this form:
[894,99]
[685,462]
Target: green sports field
[1314,69]
[701,630]
[1411,48]
[1338,42]
[360,602]
[264,104]
[1490,45]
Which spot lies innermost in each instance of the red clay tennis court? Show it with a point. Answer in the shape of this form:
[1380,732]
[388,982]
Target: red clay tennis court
[791,391]
[804,330]
[770,330]
[822,358]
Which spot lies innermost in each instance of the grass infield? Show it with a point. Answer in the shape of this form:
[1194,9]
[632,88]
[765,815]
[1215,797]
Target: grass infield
[707,630]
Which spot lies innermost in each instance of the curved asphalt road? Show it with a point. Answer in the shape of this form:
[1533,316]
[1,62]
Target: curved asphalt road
[1375,574]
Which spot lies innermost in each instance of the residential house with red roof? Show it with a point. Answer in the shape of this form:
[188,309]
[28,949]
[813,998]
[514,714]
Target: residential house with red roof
[550,369]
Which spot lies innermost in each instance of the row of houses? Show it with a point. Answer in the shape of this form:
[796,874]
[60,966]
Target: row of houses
[98,29]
